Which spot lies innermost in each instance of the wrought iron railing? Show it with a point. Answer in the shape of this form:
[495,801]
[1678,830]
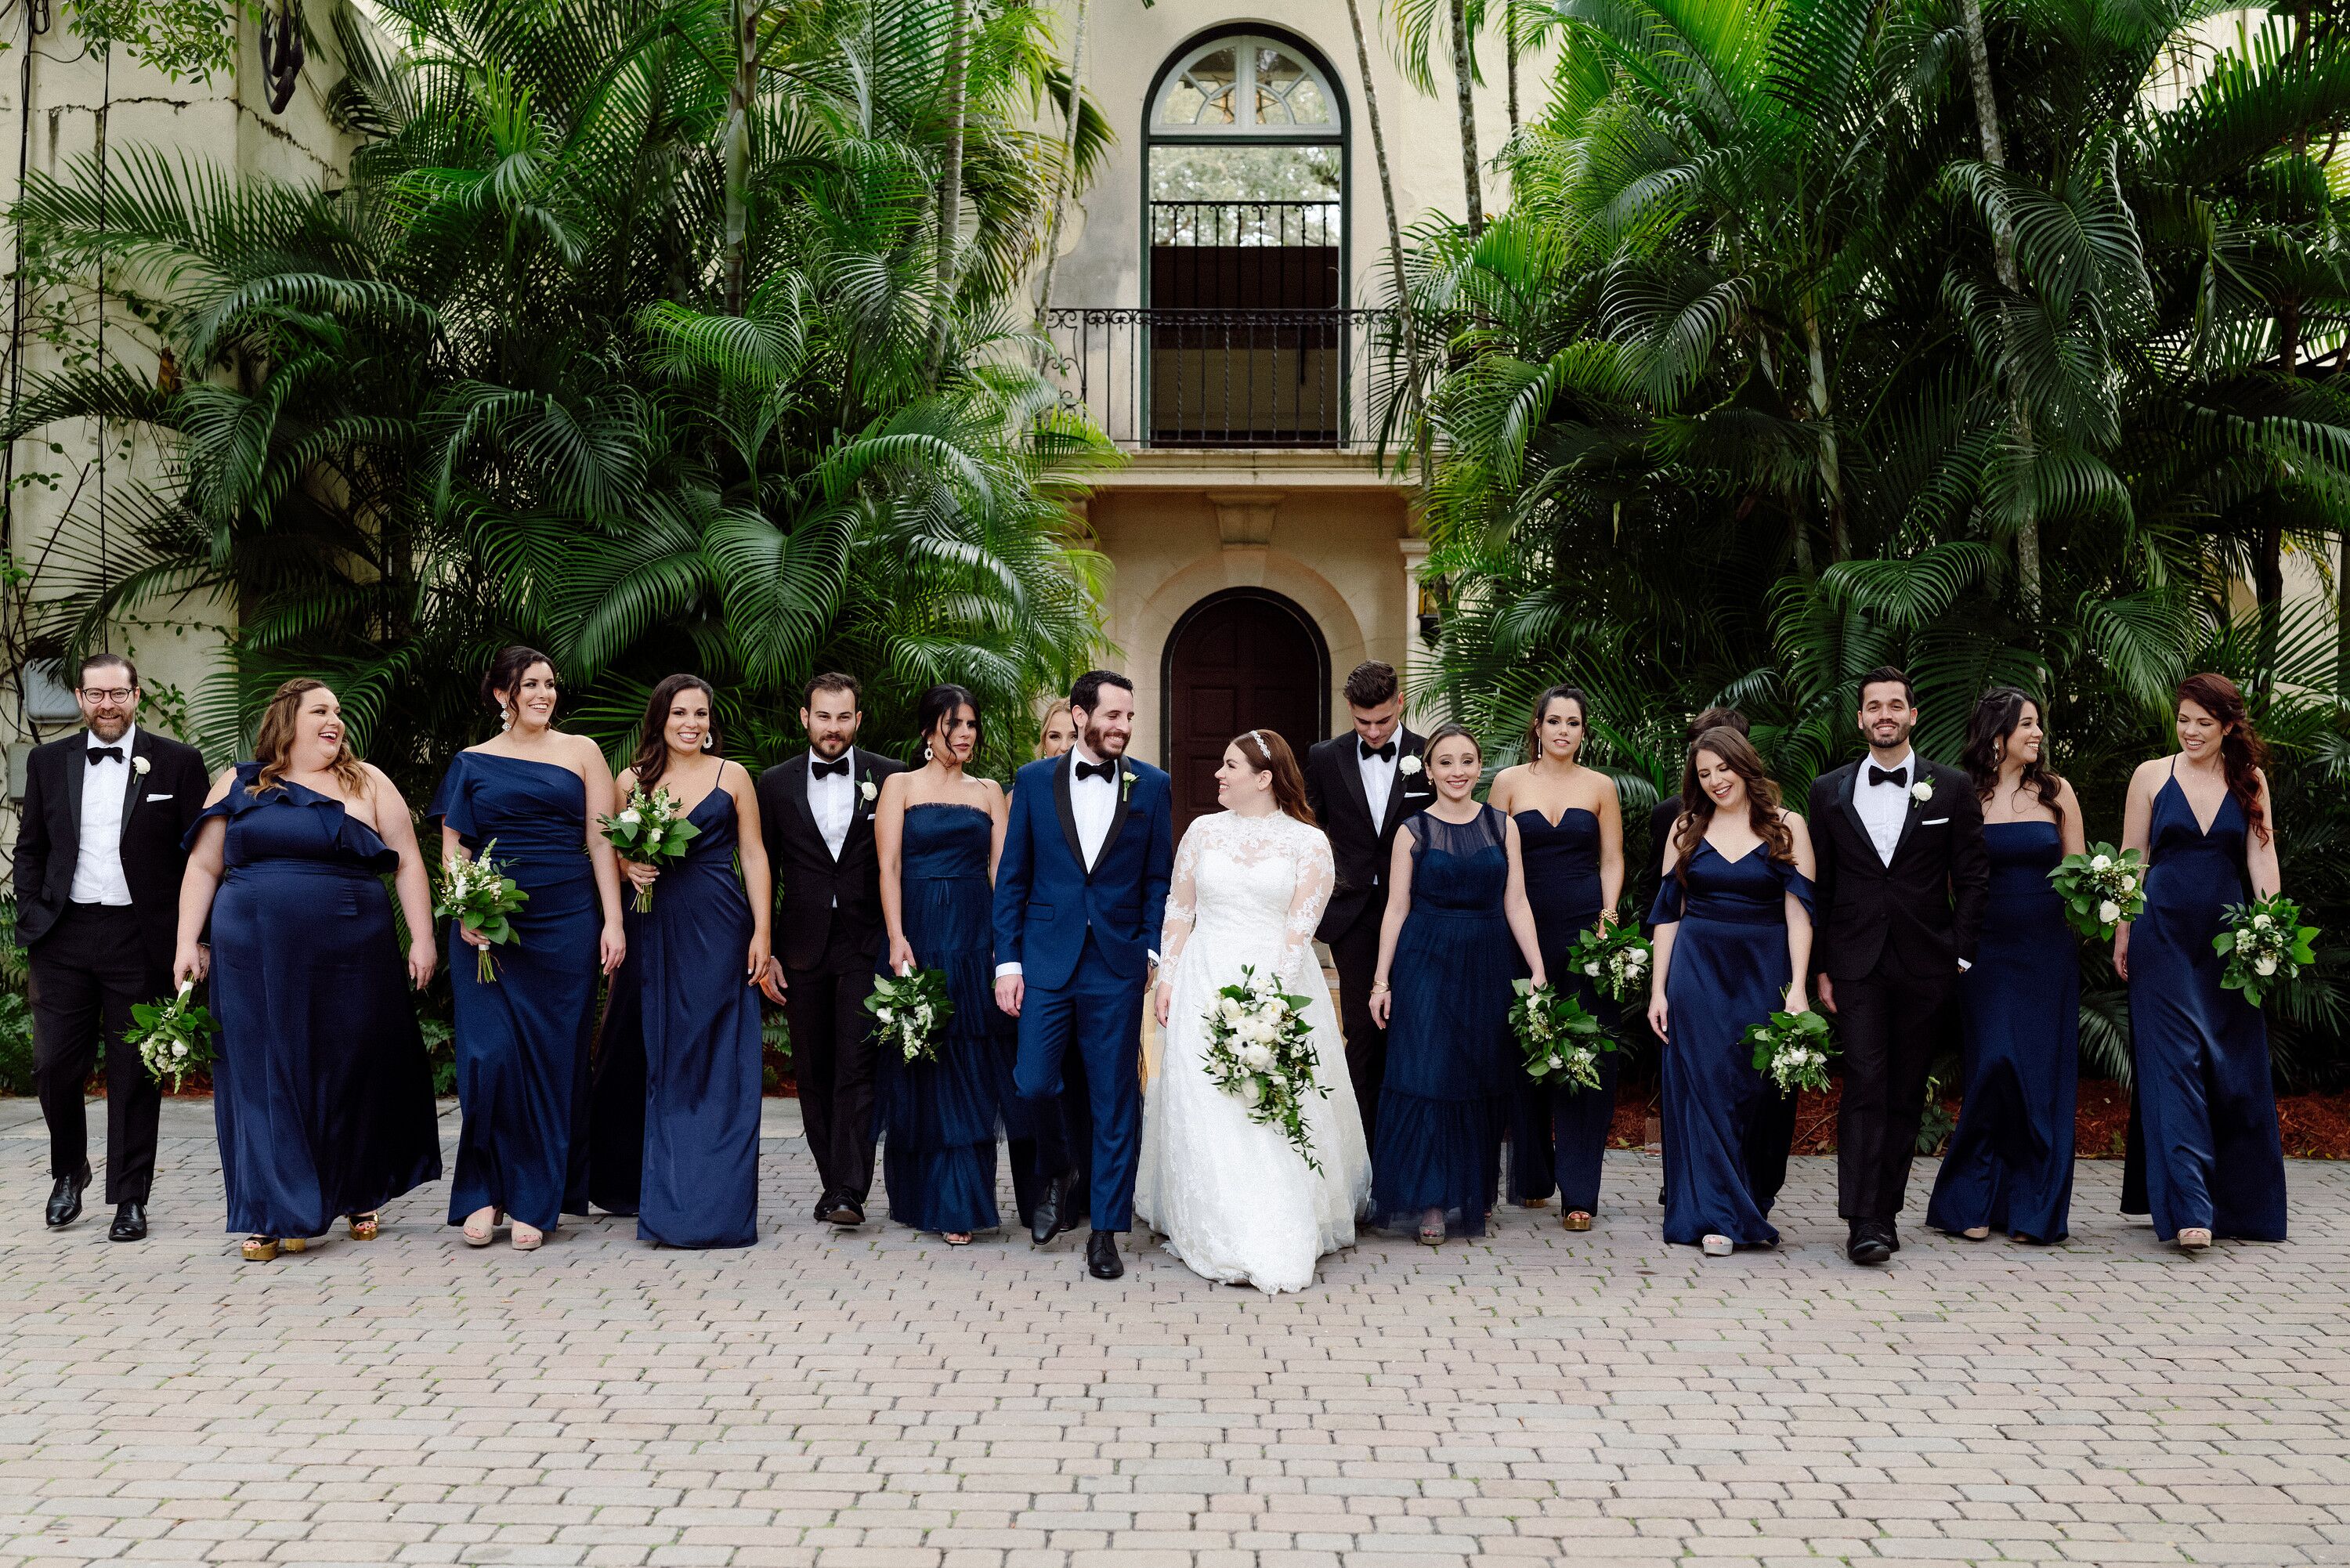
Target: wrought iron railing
[1228,378]
[1278,223]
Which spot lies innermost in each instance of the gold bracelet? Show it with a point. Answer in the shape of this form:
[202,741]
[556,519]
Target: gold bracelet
[1379,988]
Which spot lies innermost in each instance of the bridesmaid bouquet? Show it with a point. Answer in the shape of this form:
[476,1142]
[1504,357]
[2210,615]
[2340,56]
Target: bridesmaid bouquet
[484,900]
[1792,1050]
[911,1009]
[2265,945]
[1260,1050]
[1561,1041]
[649,830]
[2101,889]
[1615,959]
[175,1039]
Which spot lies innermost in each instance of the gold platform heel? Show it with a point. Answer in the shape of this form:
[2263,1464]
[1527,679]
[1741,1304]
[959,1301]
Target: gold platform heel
[259,1249]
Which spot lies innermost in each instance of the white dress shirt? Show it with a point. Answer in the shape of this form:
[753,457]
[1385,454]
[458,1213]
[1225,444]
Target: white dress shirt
[832,801]
[1379,777]
[1883,806]
[97,869]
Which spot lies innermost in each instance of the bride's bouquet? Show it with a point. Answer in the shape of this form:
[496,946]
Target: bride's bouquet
[911,1011]
[484,900]
[649,829]
[1792,1050]
[2100,888]
[175,1039]
[2265,945]
[1260,1050]
[1615,959]
[1561,1041]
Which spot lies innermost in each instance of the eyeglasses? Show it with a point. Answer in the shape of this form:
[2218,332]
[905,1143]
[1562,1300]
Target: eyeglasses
[109,693]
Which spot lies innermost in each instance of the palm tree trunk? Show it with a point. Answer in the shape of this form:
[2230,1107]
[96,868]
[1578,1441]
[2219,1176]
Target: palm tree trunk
[1510,47]
[1823,415]
[1994,149]
[950,182]
[1065,178]
[1395,231]
[736,145]
[1464,76]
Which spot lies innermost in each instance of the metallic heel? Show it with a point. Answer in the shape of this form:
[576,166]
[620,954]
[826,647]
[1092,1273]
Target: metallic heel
[1575,1220]
[260,1249]
[363,1227]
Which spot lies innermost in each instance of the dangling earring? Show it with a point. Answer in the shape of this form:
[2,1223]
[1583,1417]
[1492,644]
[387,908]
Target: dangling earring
[505,718]
[926,751]
[707,739]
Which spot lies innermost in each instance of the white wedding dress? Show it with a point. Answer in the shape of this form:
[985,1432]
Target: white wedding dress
[1235,1202]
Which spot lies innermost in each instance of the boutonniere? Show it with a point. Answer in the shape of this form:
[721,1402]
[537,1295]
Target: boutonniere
[1125,785]
[140,766]
[1407,764]
[868,792]
[1922,791]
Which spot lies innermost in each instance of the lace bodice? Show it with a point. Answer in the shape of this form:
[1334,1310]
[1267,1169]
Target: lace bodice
[1255,880]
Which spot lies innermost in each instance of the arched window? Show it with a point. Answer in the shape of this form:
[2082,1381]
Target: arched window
[1247,87]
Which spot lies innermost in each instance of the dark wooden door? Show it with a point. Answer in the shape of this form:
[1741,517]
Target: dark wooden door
[1240,664]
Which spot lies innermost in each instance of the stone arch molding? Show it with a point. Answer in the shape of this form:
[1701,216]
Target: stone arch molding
[1252,568]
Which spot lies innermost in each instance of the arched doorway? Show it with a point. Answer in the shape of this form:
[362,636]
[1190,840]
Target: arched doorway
[1242,659]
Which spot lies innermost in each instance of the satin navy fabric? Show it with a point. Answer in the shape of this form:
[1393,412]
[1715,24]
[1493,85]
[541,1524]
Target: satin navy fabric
[321,1094]
[682,1006]
[1725,1123]
[940,1118]
[1453,1065]
[2010,1161]
[523,1042]
[2213,1159]
[1558,1138]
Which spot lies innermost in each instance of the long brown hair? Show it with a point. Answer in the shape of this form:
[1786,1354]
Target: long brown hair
[652,741]
[1995,718]
[1266,753]
[273,743]
[1738,754]
[2243,754]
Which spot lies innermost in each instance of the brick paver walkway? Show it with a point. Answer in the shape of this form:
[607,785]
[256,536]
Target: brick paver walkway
[881,1399]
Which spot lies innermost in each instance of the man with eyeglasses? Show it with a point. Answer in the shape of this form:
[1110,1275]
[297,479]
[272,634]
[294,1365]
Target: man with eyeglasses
[98,863]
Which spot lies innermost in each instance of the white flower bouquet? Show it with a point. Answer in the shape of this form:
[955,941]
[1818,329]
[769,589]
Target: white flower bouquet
[910,1010]
[2265,945]
[1260,1051]
[1792,1050]
[1615,959]
[175,1039]
[1561,1041]
[2100,888]
[484,900]
[649,829]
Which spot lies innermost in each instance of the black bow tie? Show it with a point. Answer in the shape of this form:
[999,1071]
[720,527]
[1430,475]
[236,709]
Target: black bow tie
[1384,753]
[105,754]
[1095,771]
[836,769]
[1899,777]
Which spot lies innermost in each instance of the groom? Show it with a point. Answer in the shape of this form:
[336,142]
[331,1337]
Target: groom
[1903,883]
[1080,891]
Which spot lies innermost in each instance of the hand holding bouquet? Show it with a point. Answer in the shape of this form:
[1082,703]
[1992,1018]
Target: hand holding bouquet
[1260,1050]
[175,1039]
[1615,959]
[910,1010]
[2265,945]
[1792,1050]
[2100,888]
[649,829]
[1562,1043]
[479,897]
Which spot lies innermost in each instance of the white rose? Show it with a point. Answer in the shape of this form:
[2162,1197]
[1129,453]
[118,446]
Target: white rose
[1230,1010]
[2129,884]
[1408,765]
[2101,862]
[1557,1061]
[887,1014]
[1251,1092]
[1256,1058]
[1636,958]
[630,817]
[2260,923]
[178,1047]
[867,791]
[2264,966]
[140,766]
[2109,912]
[1921,791]
[1592,968]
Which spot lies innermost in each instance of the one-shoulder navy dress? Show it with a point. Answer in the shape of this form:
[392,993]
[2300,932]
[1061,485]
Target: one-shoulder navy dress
[1558,1138]
[940,1118]
[1729,970]
[684,1022]
[1453,1065]
[522,1040]
[2011,1162]
[2214,1157]
[321,1092]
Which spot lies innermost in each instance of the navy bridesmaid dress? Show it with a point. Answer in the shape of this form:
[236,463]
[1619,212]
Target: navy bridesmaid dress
[321,1092]
[2011,1162]
[684,1023]
[523,1042]
[1558,1138]
[1453,1066]
[1725,1138]
[940,1118]
[2213,1155]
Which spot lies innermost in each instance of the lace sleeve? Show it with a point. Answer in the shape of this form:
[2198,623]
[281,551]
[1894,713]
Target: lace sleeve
[1317,874]
[1182,900]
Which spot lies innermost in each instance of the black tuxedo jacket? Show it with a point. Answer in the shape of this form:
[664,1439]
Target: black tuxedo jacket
[819,899]
[1359,847]
[1922,913]
[158,807]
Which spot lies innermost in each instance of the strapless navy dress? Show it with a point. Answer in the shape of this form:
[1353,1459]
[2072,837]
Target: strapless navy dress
[1558,1138]
[321,1094]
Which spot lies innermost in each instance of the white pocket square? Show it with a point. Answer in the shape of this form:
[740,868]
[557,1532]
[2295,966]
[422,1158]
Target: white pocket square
[159,798]
[1935,821]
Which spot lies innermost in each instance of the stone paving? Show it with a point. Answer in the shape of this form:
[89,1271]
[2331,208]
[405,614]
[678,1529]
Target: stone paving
[879,1399]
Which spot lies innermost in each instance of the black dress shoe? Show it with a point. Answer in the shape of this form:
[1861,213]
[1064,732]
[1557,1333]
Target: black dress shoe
[129,1223]
[845,1212]
[65,1198]
[1055,1209]
[822,1209]
[1868,1245]
[1101,1255]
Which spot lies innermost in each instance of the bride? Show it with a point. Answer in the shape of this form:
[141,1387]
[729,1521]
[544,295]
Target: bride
[1234,1199]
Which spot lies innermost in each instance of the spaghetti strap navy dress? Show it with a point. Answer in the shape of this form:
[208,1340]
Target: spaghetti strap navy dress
[1453,1065]
[684,1023]
[2011,1162]
[321,1094]
[1724,1128]
[939,1117]
[2213,1159]
[1558,1138]
[523,1040]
